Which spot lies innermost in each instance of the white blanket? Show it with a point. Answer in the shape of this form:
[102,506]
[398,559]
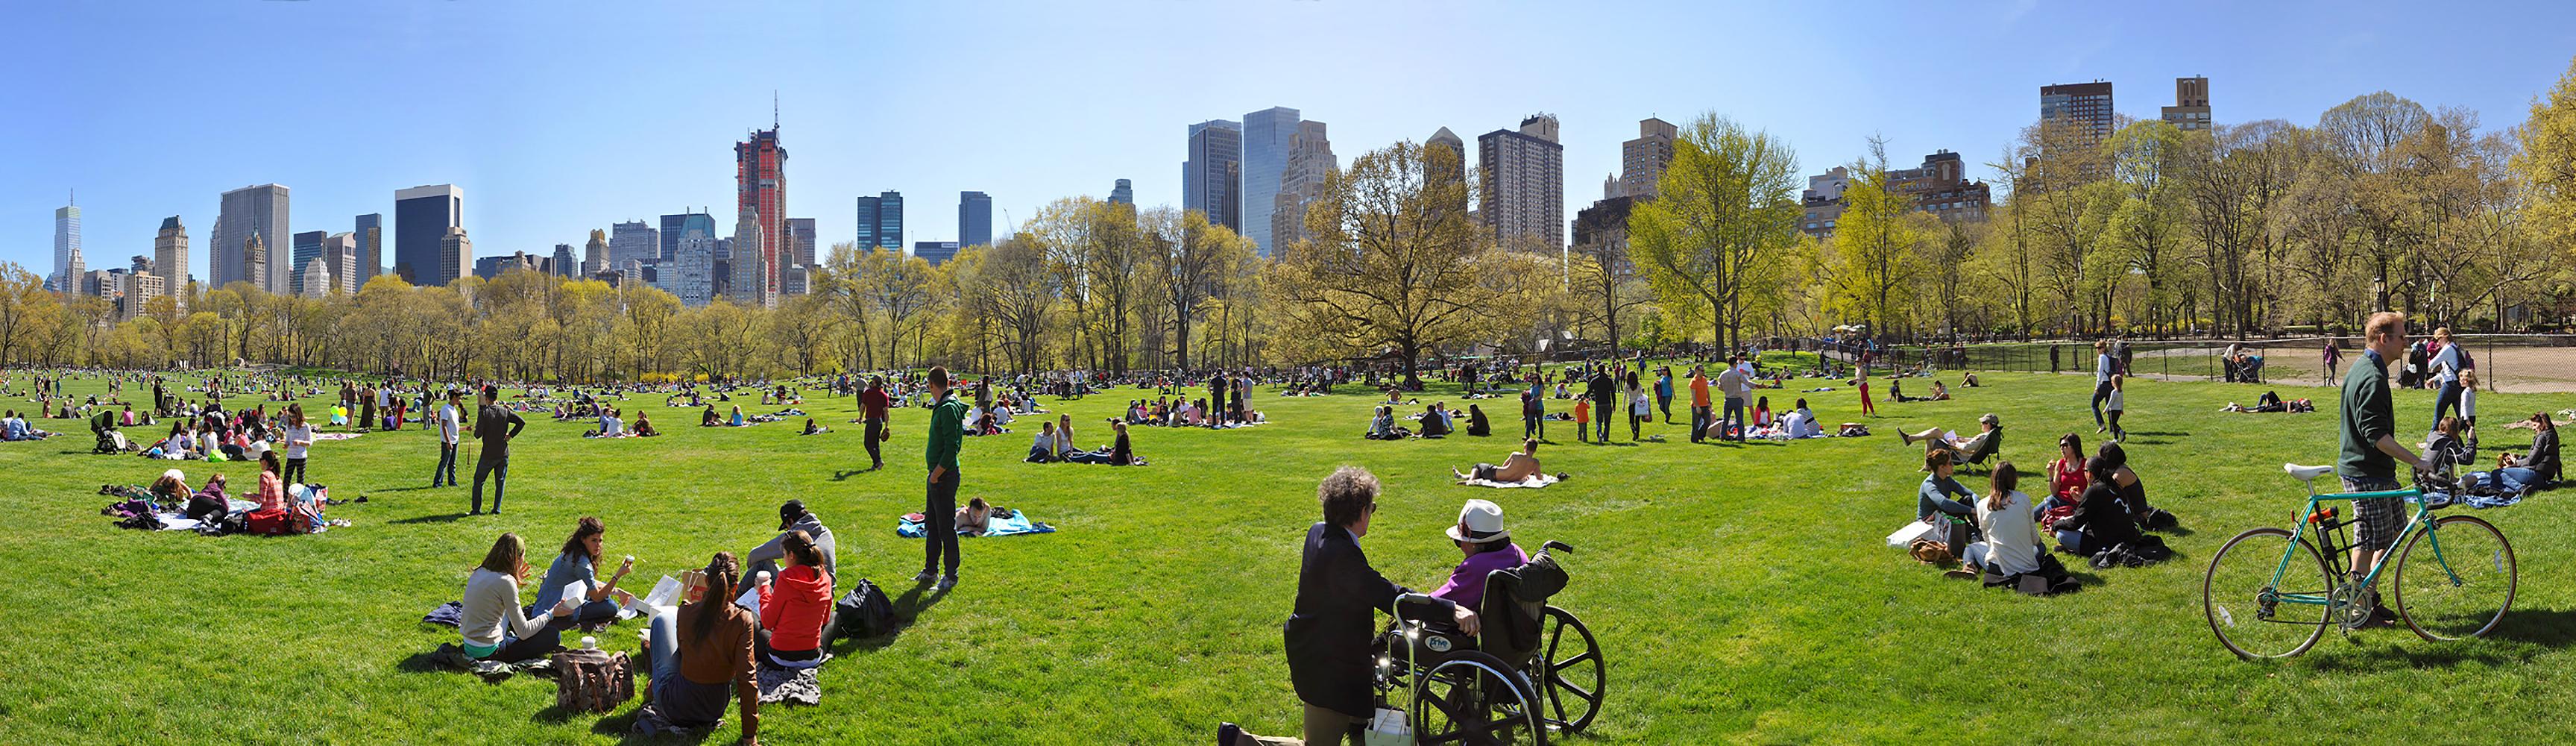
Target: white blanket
[1541,480]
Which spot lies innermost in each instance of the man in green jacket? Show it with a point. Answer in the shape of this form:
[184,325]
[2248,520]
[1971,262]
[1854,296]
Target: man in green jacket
[2371,451]
[939,511]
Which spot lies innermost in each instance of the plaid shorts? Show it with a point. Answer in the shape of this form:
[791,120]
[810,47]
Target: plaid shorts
[2380,518]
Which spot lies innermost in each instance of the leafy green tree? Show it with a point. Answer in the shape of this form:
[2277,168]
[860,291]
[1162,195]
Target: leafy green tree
[1725,212]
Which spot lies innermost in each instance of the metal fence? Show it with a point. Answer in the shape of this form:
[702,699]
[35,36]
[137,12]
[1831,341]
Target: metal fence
[2514,363]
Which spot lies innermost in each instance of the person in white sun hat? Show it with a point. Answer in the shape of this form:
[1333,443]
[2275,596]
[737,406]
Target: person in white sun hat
[1479,534]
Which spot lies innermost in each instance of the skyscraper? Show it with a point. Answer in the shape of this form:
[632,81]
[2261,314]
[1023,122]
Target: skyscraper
[2085,104]
[370,235]
[1124,193]
[760,194]
[1642,160]
[1449,169]
[1310,159]
[800,238]
[881,222]
[693,278]
[254,258]
[422,217]
[974,219]
[140,285]
[299,257]
[455,255]
[745,288]
[1212,178]
[340,253]
[594,253]
[1523,182]
[936,252]
[635,241]
[669,236]
[1266,136]
[67,249]
[2191,104]
[562,263]
[250,211]
[170,259]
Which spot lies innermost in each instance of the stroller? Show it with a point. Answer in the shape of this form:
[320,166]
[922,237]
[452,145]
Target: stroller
[110,440]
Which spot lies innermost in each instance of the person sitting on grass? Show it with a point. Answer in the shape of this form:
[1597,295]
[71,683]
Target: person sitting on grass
[1435,421]
[210,503]
[644,426]
[2101,521]
[1042,449]
[1934,496]
[708,418]
[814,429]
[493,625]
[1961,449]
[2536,469]
[796,608]
[1479,534]
[2067,478]
[691,654]
[1939,392]
[1518,467]
[1477,425]
[1119,453]
[2012,534]
[736,420]
[1382,427]
[1801,422]
[572,575]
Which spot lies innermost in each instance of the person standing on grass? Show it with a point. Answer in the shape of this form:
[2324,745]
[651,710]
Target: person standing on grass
[1732,384]
[2445,370]
[299,436]
[1664,392]
[2115,404]
[495,425]
[939,507]
[1216,399]
[450,423]
[2102,369]
[2334,357]
[1638,413]
[2371,451]
[1604,393]
[872,408]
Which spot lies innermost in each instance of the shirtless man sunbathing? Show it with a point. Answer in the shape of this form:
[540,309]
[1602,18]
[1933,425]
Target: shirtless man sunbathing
[1519,467]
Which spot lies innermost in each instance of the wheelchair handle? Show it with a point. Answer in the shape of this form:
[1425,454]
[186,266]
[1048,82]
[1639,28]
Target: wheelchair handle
[1555,545]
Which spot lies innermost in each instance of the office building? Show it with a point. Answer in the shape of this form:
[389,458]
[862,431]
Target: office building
[800,243]
[1642,160]
[306,250]
[1123,193]
[170,259]
[747,273]
[974,219]
[494,266]
[139,285]
[1266,138]
[760,194]
[254,258]
[2191,104]
[669,237]
[67,247]
[249,212]
[313,280]
[636,241]
[791,281]
[1444,164]
[1940,186]
[370,236]
[1301,181]
[1212,178]
[2087,105]
[1523,182]
[562,263]
[936,252]
[594,253]
[340,253]
[455,251]
[690,274]
[881,222]
[423,217]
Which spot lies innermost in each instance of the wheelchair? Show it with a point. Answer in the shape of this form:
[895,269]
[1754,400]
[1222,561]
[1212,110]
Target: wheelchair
[1534,669]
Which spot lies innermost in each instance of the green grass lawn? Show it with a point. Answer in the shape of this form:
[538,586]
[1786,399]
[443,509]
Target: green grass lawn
[1743,593]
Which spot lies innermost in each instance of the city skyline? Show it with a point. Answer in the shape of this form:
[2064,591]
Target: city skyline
[101,133]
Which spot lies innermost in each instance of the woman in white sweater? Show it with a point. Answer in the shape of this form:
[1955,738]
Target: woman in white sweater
[495,627]
[2011,530]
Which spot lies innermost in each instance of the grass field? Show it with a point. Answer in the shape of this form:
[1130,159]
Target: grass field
[1742,593]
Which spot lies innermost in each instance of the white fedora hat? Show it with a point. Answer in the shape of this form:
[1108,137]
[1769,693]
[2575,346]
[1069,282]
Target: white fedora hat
[1479,522]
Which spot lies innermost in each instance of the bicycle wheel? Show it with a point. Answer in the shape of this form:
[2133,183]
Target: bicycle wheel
[2242,600]
[2455,579]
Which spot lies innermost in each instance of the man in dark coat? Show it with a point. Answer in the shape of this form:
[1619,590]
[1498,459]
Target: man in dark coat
[1330,636]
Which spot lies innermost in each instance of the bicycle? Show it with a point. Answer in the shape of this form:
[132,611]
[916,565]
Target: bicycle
[2449,570]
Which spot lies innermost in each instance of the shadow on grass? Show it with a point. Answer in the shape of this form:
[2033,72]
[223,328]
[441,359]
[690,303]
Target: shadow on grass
[2519,637]
[844,475]
[907,609]
[441,518]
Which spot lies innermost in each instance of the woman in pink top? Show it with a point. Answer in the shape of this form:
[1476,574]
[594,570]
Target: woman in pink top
[272,486]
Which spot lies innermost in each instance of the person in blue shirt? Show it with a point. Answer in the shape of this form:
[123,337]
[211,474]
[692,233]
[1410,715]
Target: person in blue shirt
[1935,494]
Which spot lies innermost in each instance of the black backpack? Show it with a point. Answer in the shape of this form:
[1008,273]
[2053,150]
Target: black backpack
[865,612]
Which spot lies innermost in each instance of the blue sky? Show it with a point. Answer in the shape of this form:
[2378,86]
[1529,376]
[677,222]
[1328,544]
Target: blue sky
[560,117]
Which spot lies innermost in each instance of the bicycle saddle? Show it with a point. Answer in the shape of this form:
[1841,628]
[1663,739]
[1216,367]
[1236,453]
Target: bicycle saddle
[2307,473]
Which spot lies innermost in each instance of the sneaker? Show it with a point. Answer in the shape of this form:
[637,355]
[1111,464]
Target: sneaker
[924,576]
[1228,733]
[947,581]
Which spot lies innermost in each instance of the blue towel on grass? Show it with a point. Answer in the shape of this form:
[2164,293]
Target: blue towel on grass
[1018,523]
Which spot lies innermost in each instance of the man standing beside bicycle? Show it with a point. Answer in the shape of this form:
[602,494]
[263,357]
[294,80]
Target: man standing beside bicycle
[2371,450]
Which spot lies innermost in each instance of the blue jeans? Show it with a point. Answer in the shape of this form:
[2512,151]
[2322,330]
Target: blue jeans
[2101,393]
[1734,417]
[446,468]
[2074,542]
[499,470]
[2446,400]
[2508,480]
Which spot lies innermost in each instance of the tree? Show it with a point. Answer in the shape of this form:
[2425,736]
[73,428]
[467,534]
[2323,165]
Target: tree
[1726,207]
[2146,164]
[1604,279]
[2547,164]
[1191,261]
[1388,268]
[1873,250]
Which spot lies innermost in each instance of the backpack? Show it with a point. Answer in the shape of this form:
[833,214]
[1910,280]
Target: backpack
[865,612]
[266,522]
[592,680]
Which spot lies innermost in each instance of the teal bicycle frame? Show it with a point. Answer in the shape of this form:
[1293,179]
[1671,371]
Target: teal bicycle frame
[2421,521]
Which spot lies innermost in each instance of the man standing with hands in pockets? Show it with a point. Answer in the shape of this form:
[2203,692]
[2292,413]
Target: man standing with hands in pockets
[495,425]
[939,509]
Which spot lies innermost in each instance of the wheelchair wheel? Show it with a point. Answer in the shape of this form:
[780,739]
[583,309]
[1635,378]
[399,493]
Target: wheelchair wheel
[1569,672]
[1475,699]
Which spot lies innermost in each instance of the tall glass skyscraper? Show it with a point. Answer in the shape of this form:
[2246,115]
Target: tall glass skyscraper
[1212,179]
[422,216]
[249,211]
[308,246]
[1266,136]
[67,248]
[974,219]
[370,235]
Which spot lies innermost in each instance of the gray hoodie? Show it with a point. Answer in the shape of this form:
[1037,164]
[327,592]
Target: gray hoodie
[776,551]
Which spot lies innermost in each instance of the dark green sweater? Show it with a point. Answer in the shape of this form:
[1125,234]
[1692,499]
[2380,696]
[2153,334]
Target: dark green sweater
[2366,419]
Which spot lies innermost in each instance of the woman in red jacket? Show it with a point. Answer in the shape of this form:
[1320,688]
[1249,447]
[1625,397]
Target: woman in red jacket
[796,608]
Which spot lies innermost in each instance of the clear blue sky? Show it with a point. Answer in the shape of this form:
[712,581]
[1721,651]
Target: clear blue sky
[560,117]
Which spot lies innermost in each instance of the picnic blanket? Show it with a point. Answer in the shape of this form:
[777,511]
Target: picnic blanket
[1541,480]
[318,437]
[649,722]
[1019,523]
[453,657]
[791,685]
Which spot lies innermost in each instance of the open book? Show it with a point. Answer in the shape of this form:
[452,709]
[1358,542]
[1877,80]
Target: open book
[665,597]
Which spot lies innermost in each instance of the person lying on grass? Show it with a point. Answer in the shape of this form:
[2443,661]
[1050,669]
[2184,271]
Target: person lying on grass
[1119,453]
[813,429]
[1942,439]
[1515,468]
[976,518]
